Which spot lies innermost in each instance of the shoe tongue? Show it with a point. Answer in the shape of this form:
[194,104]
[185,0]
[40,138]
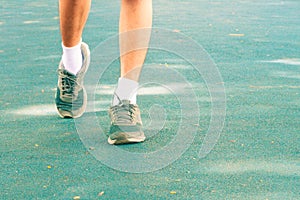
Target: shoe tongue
[69,73]
[125,101]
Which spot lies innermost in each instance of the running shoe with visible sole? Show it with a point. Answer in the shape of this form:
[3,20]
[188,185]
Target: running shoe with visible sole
[71,97]
[126,124]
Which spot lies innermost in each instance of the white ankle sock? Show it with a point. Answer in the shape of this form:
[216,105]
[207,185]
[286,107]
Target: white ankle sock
[72,58]
[126,90]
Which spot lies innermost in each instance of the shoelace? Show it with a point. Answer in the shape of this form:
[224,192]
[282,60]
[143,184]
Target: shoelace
[124,113]
[68,82]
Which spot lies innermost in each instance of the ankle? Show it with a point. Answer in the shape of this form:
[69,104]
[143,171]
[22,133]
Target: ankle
[72,58]
[126,90]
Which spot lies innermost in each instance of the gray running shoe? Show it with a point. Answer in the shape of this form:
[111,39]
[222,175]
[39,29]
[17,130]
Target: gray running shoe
[71,97]
[126,124]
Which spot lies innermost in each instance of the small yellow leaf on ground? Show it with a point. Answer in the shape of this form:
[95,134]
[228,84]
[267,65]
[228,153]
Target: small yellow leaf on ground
[172,192]
[101,193]
[236,34]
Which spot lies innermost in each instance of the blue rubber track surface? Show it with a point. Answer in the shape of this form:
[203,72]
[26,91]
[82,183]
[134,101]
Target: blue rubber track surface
[254,44]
